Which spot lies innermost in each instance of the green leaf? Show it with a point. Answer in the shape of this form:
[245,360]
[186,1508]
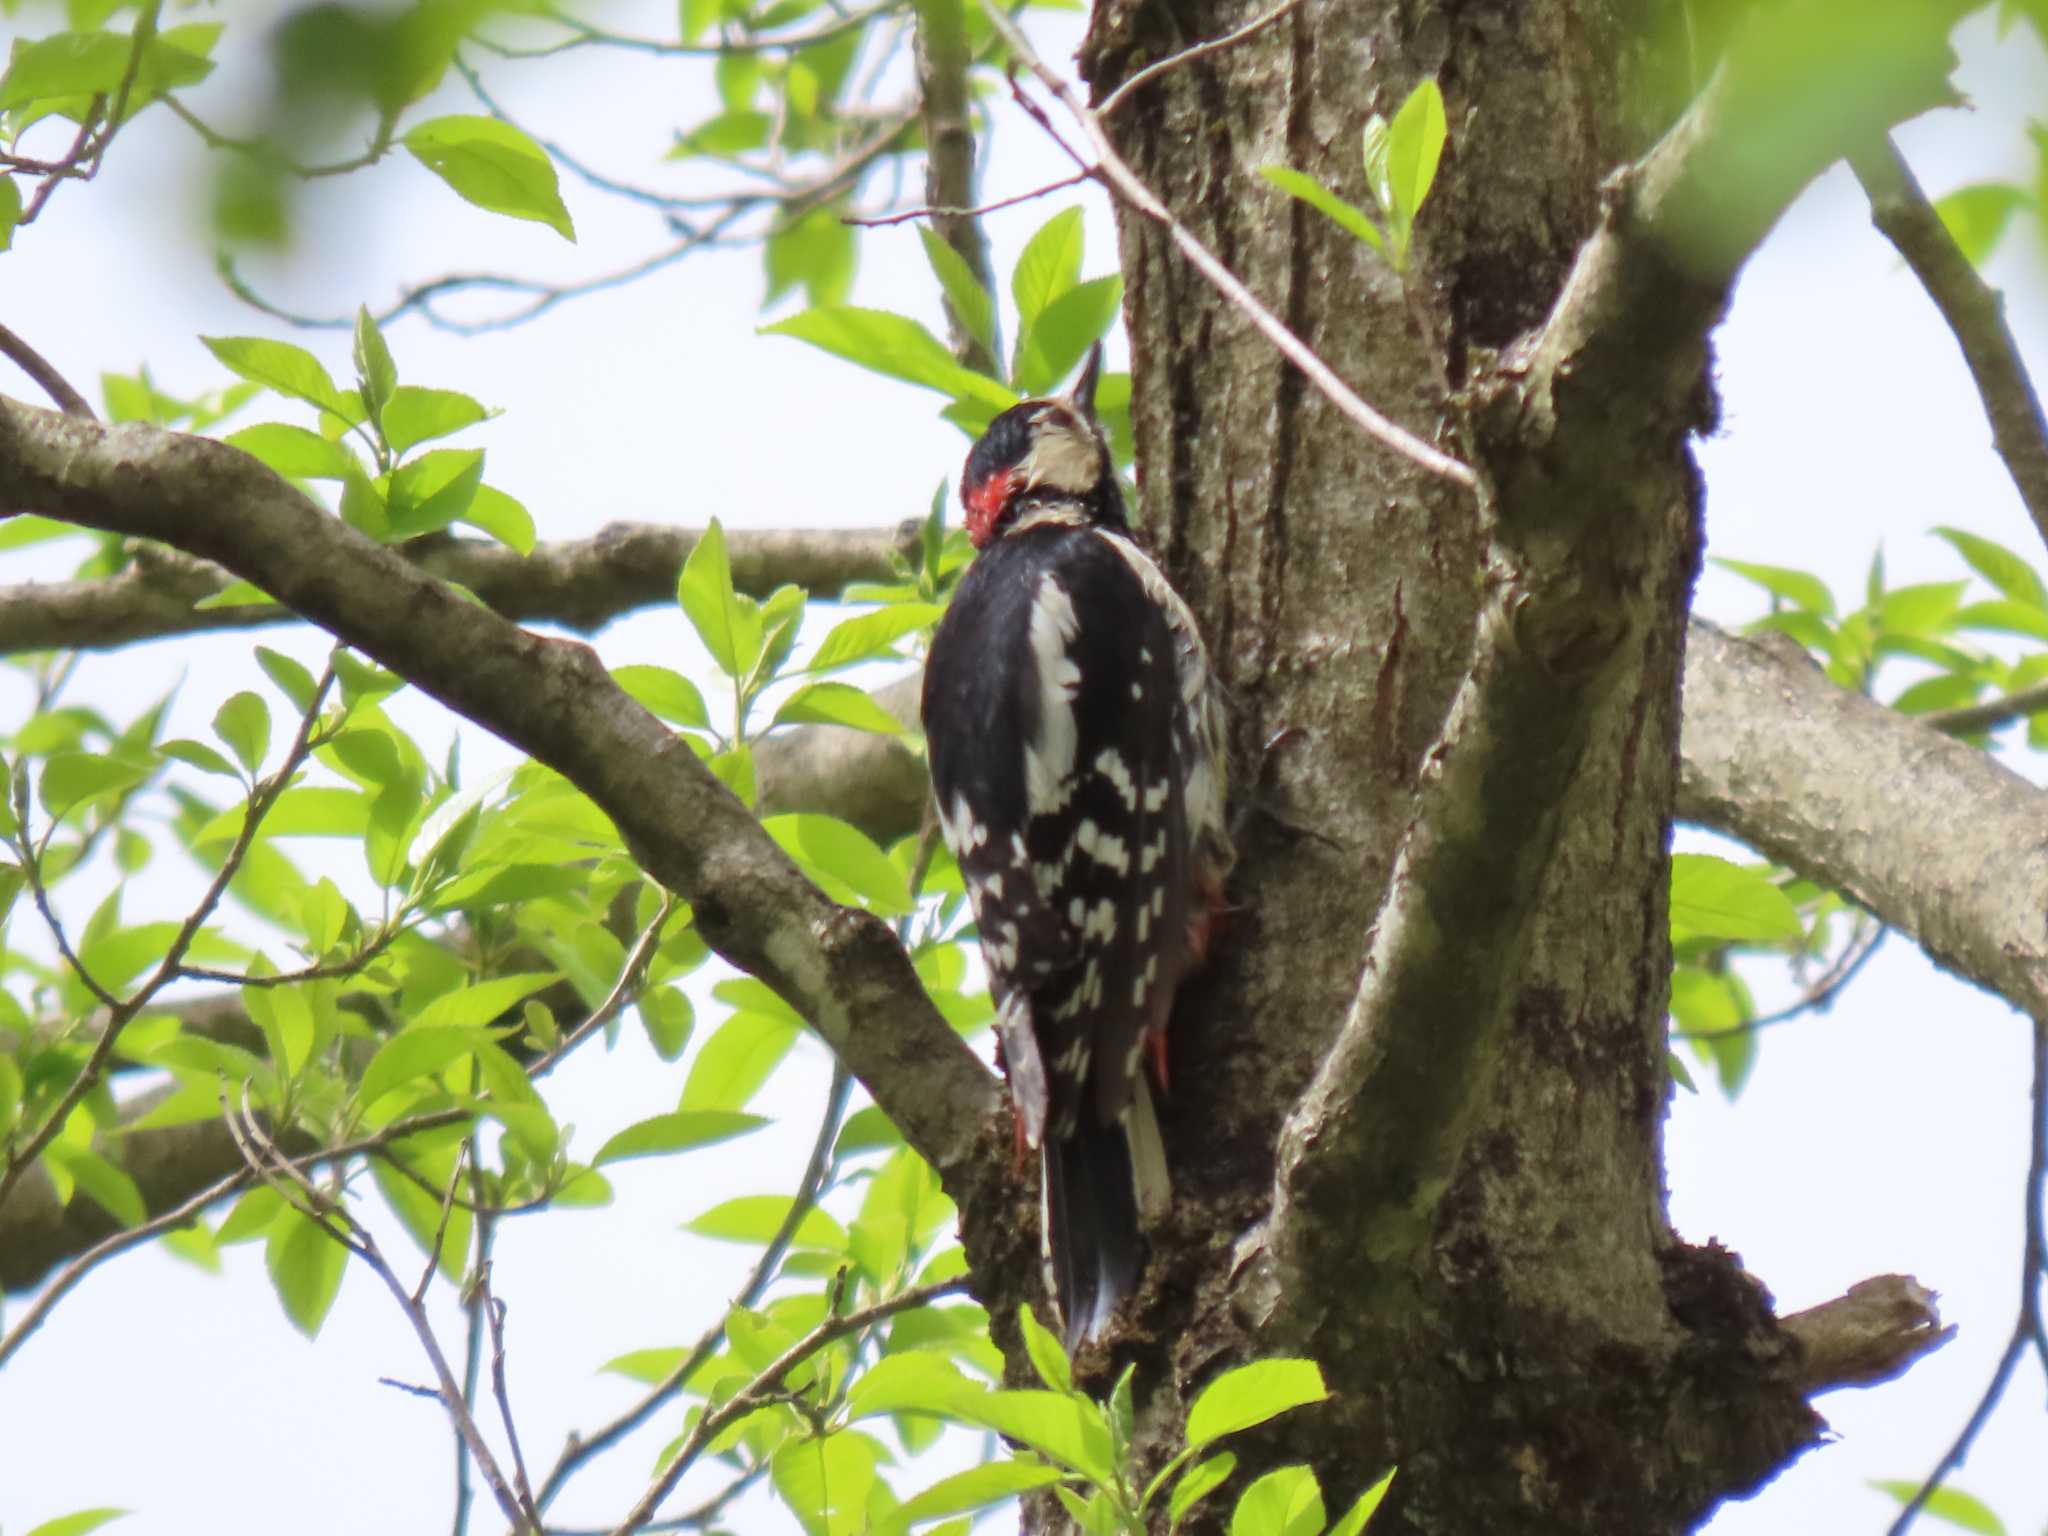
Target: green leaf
[413,416]
[1196,1484]
[913,1381]
[837,704]
[732,1065]
[729,626]
[757,1218]
[1048,266]
[1065,1429]
[293,451]
[494,166]
[291,678]
[376,373]
[1977,215]
[977,1488]
[1801,589]
[1285,1502]
[503,517]
[69,779]
[825,1482]
[972,305]
[1359,1513]
[280,366]
[200,756]
[665,694]
[1047,1356]
[894,346]
[413,1054]
[1415,144]
[1308,190]
[432,491]
[243,722]
[10,211]
[305,1266]
[1063,333]
[682,1131]
[667,1016]
[867,636]
[2014,576]
[482,1002]
[843,860]
[817,252]
[63,64]
[1252,1394]
[77,1524]
[1712,898]
[1952,1505]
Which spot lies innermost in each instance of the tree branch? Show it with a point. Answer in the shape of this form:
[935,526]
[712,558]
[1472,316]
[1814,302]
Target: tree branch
[1862,800]
[1975,312]
[1580,435]
[1868,1336]
[943,58]
[580,584]
[841,968]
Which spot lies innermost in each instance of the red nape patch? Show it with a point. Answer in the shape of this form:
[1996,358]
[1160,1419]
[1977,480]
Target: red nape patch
[985,503]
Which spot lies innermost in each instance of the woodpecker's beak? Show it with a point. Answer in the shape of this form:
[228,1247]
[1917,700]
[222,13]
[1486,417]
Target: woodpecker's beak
[1082,395]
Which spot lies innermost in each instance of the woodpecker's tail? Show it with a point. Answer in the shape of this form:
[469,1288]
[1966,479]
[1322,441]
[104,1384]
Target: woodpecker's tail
[1102,1185]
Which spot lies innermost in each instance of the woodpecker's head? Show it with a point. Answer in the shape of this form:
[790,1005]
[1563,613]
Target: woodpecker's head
[1042,453]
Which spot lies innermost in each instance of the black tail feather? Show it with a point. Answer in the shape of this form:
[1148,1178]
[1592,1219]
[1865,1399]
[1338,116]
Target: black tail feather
[1092,1237]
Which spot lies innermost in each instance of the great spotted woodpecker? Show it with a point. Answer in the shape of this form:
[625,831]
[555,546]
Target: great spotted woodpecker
[1077,759]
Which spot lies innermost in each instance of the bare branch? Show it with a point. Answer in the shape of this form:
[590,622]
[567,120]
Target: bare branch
[1975,312]
[1125,183]
[48,379]
[290,1180]
[1969,719]
[581,584]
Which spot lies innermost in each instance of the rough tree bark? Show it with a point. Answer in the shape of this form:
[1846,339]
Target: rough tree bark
[1447,1009]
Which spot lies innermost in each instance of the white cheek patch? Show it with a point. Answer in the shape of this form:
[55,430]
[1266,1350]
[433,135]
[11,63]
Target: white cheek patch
[1064,456]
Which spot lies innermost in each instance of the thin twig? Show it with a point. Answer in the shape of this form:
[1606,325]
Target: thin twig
[622,992]
[472,1373]
[494,1317]
[111,1246]
[752,1396]
[2033,1269]
[1151,72]
[1975,314]
[462,1155]
[285,1176]
[1817,998]
[47,378]
[976,212]
[1126,184]
[581,1450]
[123,1011]
[1969,719]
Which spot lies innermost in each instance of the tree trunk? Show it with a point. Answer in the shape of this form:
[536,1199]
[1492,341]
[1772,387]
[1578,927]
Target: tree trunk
[1476,1250]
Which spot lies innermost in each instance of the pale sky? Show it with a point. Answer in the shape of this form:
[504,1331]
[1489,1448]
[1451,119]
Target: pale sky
[1886,1135]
